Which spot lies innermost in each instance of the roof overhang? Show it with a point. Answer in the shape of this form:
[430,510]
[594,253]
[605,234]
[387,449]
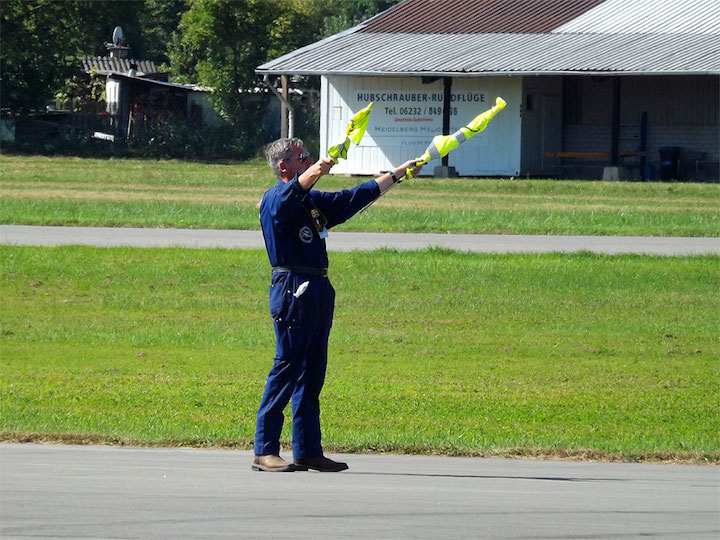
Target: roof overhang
[456,74]
[480,55]
[153,82]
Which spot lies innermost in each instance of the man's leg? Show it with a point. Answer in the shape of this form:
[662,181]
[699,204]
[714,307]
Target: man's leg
[306,401]
[290,348]
[307,448]
[306,395]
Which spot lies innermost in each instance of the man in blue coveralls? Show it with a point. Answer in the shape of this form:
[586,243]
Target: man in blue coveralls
[295,220]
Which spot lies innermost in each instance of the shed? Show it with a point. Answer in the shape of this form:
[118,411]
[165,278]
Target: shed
[589,84]
[132,100]
[137,93]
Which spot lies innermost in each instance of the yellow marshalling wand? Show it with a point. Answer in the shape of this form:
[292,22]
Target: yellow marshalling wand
[442,145]
[355,131]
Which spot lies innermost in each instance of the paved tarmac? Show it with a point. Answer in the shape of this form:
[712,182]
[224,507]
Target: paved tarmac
[50,491]
[347,241]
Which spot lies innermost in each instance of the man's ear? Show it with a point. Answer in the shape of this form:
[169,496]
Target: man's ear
[282,166]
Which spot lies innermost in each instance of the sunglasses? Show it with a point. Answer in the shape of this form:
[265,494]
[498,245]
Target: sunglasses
[304,156]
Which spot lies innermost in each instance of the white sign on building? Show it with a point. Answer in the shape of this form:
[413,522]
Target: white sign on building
[407,114]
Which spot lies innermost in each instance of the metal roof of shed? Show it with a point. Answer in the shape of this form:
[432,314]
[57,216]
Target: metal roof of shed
[152,82]
[477,16]
[648,17]
[103,65]
[469,55]
[558,36]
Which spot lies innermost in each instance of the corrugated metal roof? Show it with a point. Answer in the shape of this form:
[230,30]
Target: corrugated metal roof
[103,65]
[648,17]
[152,82]
[468,54]
[478,16]
[625,41]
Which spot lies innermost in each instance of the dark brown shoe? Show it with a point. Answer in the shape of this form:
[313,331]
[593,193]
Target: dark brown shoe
[321,464]
[272,463]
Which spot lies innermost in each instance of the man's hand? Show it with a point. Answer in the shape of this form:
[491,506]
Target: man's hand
[410,169]
[313,173]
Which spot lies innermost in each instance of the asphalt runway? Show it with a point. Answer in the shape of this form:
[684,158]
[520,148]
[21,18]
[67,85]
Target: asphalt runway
[51,491]
[347,241]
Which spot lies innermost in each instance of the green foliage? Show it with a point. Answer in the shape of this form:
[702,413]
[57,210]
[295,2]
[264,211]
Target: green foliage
[217,43]
[160,138]
[346,14]
[169,139]
[41,41]
[36,51]
[158,23]
[82,93]
[220,43]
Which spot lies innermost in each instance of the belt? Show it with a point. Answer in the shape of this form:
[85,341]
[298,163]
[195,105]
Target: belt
[301,270]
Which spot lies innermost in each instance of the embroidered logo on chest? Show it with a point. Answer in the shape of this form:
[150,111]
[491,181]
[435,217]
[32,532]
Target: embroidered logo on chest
[306,234]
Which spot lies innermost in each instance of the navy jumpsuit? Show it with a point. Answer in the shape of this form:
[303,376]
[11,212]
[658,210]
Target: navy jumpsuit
[302,313]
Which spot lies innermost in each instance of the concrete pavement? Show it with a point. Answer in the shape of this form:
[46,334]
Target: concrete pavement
[50,491]
[348,241]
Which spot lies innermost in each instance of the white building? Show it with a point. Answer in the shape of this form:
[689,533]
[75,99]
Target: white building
[589,84]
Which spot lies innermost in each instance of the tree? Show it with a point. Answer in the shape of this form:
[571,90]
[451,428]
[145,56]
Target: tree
[220,43]
[34,58]
[348,13]
[41,41]
[158,22]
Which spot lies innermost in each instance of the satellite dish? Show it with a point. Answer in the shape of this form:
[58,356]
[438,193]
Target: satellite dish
[117,36]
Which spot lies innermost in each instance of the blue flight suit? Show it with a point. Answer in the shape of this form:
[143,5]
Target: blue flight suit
[302,314]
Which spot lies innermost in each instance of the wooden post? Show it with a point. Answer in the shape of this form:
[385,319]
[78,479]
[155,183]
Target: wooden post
[615,143]
[283,107]
[447,88]
[643,145]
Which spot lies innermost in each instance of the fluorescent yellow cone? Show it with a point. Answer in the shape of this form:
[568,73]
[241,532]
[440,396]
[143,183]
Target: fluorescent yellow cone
[355,131]
[442,145]
[358,124]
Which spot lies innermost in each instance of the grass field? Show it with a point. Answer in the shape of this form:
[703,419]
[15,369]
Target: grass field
[608,357]
[73,191]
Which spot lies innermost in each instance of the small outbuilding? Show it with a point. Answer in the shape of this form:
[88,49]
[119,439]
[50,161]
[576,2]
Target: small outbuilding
[614,88]
[134,100]
[136,93]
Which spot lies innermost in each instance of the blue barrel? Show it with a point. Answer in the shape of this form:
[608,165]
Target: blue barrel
[669,163]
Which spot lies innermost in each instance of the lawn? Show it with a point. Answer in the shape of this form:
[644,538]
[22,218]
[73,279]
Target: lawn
[607,357]
[121,192]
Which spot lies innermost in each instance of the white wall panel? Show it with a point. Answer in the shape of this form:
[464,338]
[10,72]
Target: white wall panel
[407,114]
[112,96]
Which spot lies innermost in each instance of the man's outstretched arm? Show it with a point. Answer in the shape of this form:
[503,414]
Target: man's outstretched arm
[390,178]
[313,173]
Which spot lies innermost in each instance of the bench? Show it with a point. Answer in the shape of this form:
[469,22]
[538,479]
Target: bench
[600,159]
